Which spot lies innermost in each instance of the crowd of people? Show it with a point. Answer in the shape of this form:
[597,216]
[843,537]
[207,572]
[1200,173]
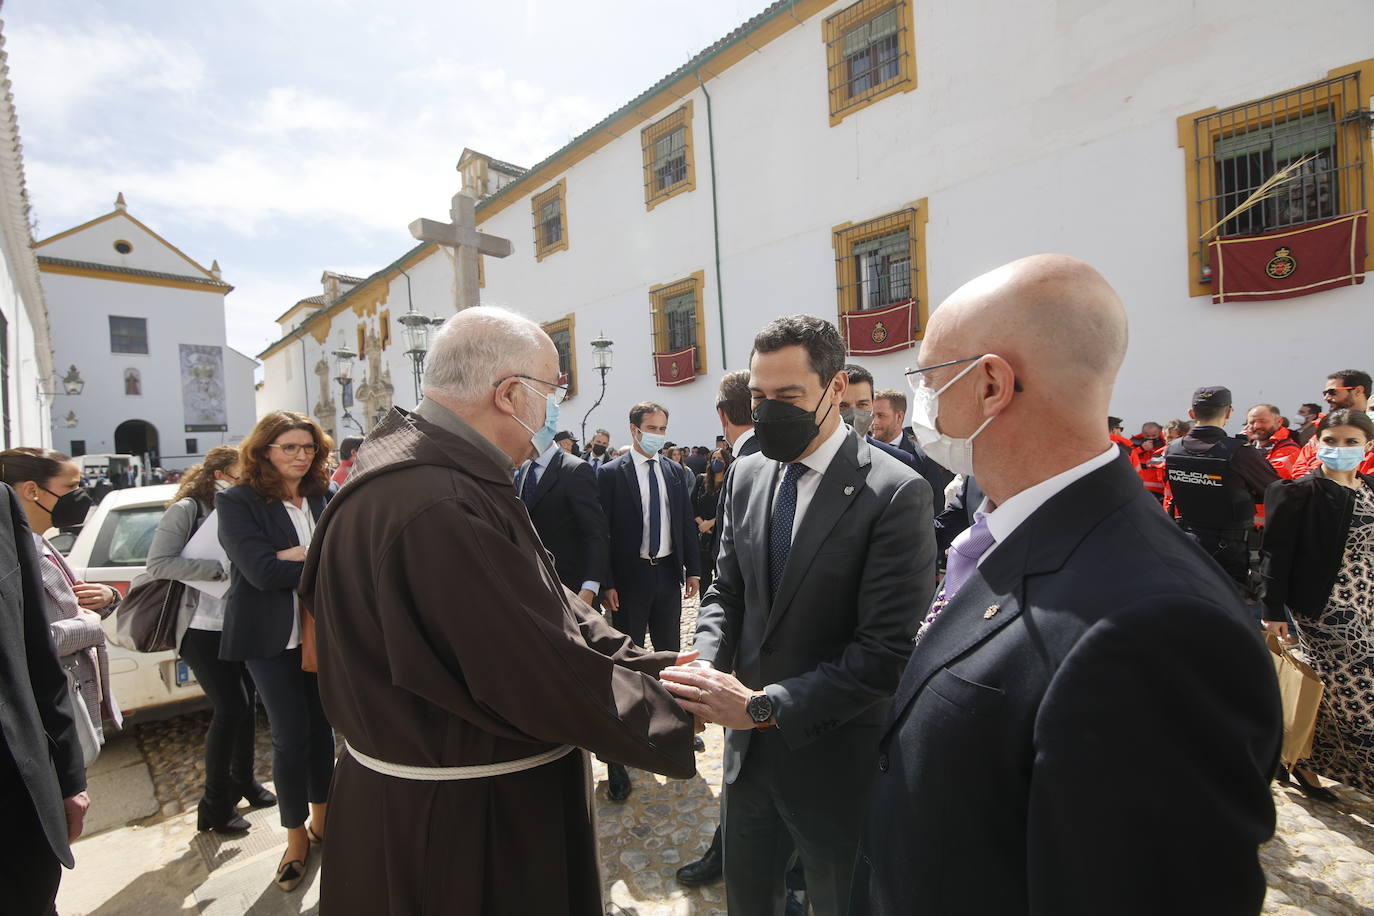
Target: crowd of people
[897,600]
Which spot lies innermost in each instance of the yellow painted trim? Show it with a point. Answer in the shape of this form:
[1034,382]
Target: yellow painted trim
[832,33]
[119,277]
[682,118]
[125,214]
[670,95]
[658,298]
[117,242]
[321,330]
[295,308]
[1353,145]
[365,304]
[569,323]
[846,235]
[558,192]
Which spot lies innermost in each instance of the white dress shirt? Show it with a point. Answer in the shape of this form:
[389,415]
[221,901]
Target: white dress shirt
[304,523]
[738,445]
[816,464]
[665,526]
[1006,518]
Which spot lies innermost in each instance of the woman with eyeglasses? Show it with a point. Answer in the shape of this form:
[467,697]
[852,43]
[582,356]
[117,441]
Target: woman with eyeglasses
[200,620]
[265,525]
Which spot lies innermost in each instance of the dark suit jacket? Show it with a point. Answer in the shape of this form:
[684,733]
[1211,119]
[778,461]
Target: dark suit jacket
[958,515]
[566,511]
[260,604]
[935,474]
[40,758]
[621,501]
[1094,651]
[829,648]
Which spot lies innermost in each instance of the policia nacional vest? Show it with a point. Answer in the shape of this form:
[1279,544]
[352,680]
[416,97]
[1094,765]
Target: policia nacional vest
[1210,496]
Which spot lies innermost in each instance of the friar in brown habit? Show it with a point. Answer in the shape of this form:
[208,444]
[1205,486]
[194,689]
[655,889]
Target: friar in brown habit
[461,672]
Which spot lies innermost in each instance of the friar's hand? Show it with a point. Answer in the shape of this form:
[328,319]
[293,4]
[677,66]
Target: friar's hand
[611,598]
[710,694]
[587,595]
[693,586]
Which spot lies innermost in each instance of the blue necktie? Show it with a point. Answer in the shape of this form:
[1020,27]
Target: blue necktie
[531,481]
[655,511]
[780,533]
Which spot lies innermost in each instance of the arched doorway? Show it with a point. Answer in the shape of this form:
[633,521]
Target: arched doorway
[138,437]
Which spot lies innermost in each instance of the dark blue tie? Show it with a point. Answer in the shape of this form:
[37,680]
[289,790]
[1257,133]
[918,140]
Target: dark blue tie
[531,481]
[655,511]
[780,533]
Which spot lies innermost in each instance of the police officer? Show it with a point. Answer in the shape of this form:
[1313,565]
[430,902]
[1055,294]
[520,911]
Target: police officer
[1215,481]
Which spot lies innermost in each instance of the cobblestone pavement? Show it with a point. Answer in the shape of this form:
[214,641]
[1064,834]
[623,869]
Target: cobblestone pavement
[1321,861]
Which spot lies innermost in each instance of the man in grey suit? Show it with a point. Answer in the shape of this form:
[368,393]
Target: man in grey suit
[827,553]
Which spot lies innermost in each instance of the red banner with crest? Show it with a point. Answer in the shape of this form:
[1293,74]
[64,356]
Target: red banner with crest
[882,330]
[677,368]
[1290,262]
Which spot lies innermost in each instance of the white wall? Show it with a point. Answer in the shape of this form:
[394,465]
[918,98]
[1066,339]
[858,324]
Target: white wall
[28,414]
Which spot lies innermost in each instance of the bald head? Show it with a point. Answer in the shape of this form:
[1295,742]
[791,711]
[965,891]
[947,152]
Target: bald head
[1054,318]
[481,345]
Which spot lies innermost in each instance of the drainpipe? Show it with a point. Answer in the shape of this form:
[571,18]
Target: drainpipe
[715,217]
[305,379]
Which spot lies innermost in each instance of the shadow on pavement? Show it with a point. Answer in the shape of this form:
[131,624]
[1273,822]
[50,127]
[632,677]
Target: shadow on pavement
[160,891]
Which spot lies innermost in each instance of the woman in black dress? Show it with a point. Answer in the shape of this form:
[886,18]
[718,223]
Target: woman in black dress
[705,505]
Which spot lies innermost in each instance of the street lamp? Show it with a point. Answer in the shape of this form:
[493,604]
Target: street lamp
[343,374]
[601,361]
[72,383]
[417,343]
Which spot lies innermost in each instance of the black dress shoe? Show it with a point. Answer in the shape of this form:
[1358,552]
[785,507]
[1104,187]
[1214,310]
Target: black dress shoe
[1313,790]
[219,818]
[707,869]
[618,787]
[256,794]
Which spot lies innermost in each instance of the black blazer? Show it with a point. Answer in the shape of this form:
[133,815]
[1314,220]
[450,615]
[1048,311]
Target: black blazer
[620,499]
[935,474]
[40,758]
[260,605]
[1095,652]
[566,511]
[1306,523]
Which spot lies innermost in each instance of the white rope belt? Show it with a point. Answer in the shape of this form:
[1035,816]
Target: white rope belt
[444,774]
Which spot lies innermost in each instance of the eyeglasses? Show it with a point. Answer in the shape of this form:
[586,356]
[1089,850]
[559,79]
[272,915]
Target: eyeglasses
[1331,392]
[291,450]
[560,391]
[914,383]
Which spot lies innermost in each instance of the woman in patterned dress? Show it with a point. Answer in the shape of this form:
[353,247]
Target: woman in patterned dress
[1319,545]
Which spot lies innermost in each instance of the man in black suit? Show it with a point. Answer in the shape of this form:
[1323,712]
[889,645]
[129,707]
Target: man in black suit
[559,491]
[1080,641]
[825,542]
[42,771]
[889,413]
[655,555]
[595,455]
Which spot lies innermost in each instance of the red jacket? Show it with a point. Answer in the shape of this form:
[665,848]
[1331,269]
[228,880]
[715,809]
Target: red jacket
[1152,472]
[1283,453]
[1129,449]
[1307,460]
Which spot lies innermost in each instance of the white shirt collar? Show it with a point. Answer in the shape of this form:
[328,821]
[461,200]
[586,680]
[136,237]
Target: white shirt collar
[898,441]
[743,438]
[820,459]
[547,456]
[1007,517]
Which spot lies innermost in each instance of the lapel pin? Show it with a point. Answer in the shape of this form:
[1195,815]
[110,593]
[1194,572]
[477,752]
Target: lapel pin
[991,612]
[848,491]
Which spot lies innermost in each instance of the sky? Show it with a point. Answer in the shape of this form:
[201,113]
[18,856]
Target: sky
[287,137]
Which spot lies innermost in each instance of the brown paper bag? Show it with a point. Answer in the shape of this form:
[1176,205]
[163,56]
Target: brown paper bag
[1301,690]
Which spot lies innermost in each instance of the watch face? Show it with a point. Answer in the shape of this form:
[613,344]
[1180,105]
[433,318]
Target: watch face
[760,708]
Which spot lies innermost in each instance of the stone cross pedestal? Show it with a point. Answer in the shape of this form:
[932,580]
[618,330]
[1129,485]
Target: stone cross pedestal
[468,245]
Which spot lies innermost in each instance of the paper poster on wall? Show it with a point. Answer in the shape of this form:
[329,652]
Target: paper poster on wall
[202,389]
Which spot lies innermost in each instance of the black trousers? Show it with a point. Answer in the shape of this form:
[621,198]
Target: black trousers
[651,599]
[302,741]
[229,740]
[29,871]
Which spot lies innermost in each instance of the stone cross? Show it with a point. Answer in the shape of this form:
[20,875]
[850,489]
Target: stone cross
[467,243]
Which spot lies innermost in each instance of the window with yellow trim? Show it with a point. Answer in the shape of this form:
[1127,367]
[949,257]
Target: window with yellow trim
[550,221]
[384,328]
[1296,157]
[870,54]
[668,164]
[680,317]
[561,333]
[880,263]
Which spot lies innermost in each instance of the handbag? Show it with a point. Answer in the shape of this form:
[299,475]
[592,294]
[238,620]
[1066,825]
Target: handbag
[147,618]
[86,734]
[1301,692]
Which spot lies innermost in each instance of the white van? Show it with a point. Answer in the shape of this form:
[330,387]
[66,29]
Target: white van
[111,467]
[112,548]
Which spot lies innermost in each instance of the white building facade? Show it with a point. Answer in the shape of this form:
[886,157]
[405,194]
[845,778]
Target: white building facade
[860,161]
[26,362]
[139,327]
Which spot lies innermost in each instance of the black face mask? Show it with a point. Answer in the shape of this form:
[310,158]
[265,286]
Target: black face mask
[598,450]
[71,509]
[785,430]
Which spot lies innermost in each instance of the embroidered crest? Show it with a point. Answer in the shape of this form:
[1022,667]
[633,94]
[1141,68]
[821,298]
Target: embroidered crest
[879,333]
[1282,265]
[675,370]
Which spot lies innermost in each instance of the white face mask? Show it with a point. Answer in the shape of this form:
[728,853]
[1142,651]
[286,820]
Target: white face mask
[955,455]
[222,485]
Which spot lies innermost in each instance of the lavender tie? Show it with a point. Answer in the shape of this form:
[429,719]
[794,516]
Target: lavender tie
[963,560]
